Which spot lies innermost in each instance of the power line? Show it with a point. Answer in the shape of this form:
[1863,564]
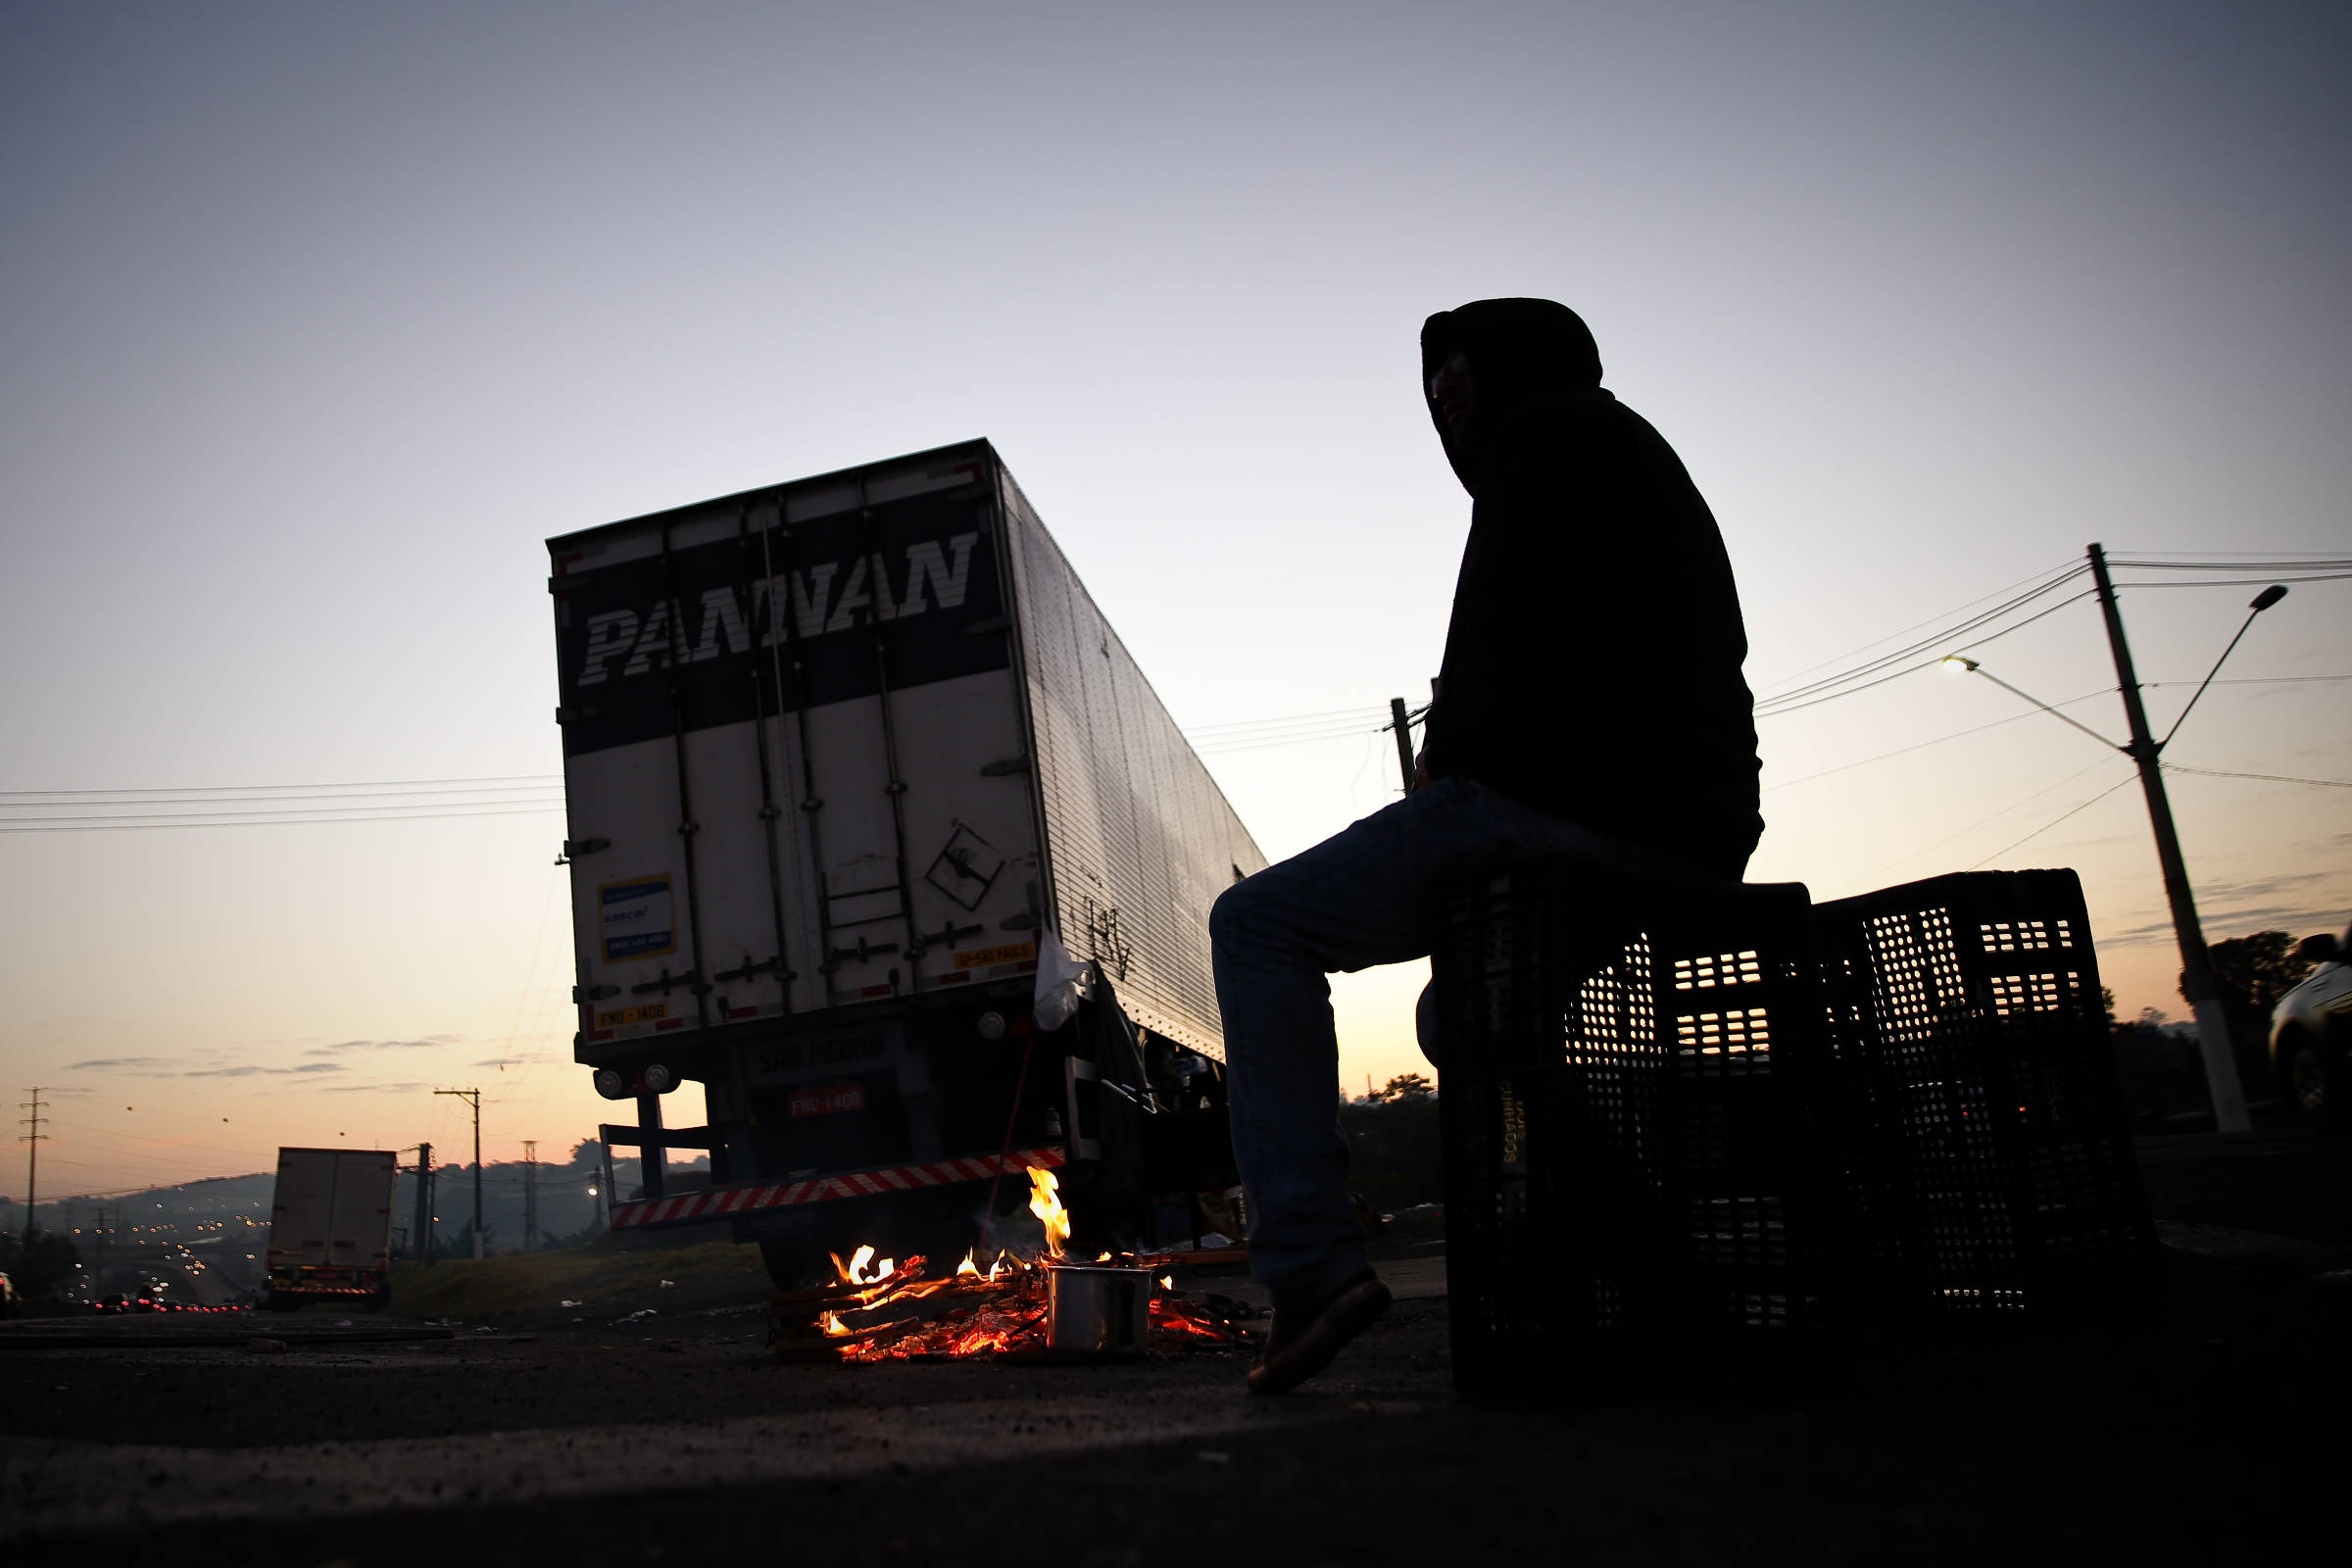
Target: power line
[2053,823]
[2062,570]
[258,819]
[1211,731]
[1877,670]
[2272,778]
[1940,642]
[1765,710]
[517,779]
[1921,745]
[2222,562]
[2242,582]
[1987,820]
[2250,680]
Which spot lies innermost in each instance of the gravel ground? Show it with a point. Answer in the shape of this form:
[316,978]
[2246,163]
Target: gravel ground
[677,1435]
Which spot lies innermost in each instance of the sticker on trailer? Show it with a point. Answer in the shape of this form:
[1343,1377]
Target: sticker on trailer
[981,958]
[634,918]
[828,1101]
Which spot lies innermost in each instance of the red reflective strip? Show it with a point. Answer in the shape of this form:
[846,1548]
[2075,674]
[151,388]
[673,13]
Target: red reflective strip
[953,977]
[743,1013]
[824,1189]
[875,990]
[672,1023]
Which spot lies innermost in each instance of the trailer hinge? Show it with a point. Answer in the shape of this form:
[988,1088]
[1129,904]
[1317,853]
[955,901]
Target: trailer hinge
[1003,766]
[576,715]
[690,827]
[949,934]
[769,814]
[864,950]
[750,970]
[1028,920]
[897,786]
[581,993]
[666,983]
[573,848]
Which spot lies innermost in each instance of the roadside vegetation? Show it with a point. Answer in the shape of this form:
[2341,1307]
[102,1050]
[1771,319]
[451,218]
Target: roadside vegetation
[601,1271]
[1392,1144]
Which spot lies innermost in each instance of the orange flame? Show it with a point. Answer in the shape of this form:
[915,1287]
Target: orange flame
[1045,1202]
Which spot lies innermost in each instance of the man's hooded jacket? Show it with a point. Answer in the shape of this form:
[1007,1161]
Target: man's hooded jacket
[1593,666]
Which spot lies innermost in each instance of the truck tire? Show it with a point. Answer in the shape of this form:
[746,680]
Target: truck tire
[281,1302]
[794,1263]
[2306,1066]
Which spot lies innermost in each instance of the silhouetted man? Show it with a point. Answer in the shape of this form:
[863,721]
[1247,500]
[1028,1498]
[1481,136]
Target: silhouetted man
[1591,704]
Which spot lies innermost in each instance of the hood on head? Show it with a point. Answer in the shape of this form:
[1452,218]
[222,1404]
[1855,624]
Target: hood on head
[1521,352]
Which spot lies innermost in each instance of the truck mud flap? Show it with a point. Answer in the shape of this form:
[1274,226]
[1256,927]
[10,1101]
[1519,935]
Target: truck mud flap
[725,1202]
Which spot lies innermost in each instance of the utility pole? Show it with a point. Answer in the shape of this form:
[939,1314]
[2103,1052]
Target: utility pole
[2196,967]
[1402,724]
[474,1097]
[35,1137]
[530,1194]
[424,1202]
[98,1275]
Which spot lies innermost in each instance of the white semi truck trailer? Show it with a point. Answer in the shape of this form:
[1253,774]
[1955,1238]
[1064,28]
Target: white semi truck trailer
[330,1228]
[845,760]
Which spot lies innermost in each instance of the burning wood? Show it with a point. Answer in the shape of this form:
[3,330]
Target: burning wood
[891,1311]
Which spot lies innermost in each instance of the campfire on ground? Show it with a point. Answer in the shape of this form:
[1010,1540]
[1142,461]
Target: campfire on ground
[894,1310]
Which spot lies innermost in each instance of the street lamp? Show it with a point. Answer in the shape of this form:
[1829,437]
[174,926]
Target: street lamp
[2196,964]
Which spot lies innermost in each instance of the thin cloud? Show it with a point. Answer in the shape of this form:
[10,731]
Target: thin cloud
[120,1065]
[375,1089]
[248,1071]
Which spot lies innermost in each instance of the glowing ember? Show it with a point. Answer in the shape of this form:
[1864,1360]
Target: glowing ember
[886,1310]
[891,1312]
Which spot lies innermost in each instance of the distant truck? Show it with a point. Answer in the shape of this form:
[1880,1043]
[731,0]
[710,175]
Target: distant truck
[330,1228]
[846,760]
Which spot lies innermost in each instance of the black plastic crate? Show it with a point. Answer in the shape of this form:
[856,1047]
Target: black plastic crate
[1638,1092]
[1993,1167]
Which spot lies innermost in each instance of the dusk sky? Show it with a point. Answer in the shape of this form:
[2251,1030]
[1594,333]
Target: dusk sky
[321,319]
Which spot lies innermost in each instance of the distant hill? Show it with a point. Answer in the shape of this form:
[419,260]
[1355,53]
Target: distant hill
[195,1213]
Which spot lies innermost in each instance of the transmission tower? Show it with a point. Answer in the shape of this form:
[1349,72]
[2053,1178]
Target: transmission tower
[530,1194]
[35,1137]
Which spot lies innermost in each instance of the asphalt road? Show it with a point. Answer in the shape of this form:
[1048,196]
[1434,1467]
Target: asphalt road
[2180,1435]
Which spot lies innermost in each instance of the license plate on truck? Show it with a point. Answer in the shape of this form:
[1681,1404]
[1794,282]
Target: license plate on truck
[828,1099]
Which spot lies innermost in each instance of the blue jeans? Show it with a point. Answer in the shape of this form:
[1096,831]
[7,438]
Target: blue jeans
[1367,896]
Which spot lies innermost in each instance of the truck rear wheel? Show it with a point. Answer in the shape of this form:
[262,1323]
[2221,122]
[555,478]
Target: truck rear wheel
[794,1263]
[281,1302]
